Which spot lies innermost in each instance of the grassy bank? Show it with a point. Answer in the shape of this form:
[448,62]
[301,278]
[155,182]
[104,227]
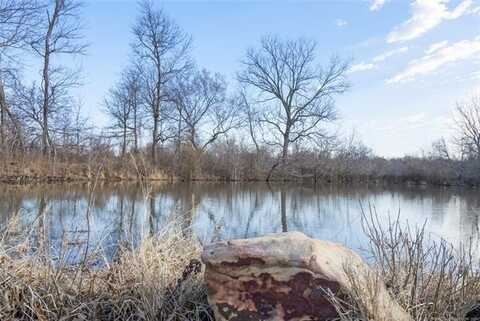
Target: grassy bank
[161,279]
[419,172]
[38,169]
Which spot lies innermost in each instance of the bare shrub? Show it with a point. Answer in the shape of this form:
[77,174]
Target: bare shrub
[430,278]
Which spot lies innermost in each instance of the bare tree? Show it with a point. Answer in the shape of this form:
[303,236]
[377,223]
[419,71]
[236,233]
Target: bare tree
[158,120]
[17,19]
[28,110]
[123,107]
[132,79]
[291,92]
[203,108]
[467,126]
[118,108]
[440,150]
[161,48]
[252,119]
[59,34]
[10,132]
[80,129]
[27,107]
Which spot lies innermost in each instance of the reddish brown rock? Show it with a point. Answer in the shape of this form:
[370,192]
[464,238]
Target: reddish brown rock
[284,277]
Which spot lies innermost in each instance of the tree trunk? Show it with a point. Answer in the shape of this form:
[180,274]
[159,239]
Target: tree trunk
[271,171]
[284,160]
[284,155]
[45,104]
[257,147]
[286,141]
[156,114]
[135,133]
[192,138]
[46,140]
[124,141]
[154,139]
[3,108]
[178,148]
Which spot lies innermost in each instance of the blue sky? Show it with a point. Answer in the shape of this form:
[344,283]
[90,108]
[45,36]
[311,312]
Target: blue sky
[411,60]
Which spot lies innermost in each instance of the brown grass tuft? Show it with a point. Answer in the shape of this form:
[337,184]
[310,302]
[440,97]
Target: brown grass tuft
[161,279]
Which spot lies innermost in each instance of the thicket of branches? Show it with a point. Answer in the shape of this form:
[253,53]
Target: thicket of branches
[273,122]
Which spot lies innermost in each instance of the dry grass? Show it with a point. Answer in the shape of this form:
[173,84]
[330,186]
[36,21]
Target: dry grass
[162,278]
[159,280]
[40,169]
[430,278]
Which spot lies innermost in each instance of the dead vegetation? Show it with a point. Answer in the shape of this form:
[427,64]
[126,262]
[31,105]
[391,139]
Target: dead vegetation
[161,279]
[429,278]
[35,168]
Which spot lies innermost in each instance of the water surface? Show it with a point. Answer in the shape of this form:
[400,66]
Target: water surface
[78,216]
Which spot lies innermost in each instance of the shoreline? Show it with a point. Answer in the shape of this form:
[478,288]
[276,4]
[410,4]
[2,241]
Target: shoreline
[398,181]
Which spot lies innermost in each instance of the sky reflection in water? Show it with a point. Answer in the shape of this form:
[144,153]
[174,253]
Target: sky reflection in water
[234,210]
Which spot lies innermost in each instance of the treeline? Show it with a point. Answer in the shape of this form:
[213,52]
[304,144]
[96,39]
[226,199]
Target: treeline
[169,117]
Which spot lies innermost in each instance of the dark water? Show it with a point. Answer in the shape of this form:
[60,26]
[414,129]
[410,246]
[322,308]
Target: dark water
[120,212]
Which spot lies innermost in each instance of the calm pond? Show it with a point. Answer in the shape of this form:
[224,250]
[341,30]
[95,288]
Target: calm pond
[119,212]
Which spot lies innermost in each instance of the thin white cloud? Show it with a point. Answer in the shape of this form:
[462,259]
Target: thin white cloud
[436,46]
[416,118]
[377,4]
[341,23]
[459,51]
[363,66]
[426,15]
[388,54]
[476,10]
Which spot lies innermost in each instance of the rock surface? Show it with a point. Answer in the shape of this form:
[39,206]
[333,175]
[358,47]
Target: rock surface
[285,276]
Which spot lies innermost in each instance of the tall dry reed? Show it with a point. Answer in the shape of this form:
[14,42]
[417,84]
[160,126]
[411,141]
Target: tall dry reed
[161,279]
[430,278]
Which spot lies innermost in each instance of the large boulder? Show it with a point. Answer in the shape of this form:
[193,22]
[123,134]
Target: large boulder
[287,276]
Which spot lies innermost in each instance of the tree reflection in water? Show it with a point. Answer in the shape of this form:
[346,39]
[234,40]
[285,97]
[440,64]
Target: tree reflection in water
[122,213]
